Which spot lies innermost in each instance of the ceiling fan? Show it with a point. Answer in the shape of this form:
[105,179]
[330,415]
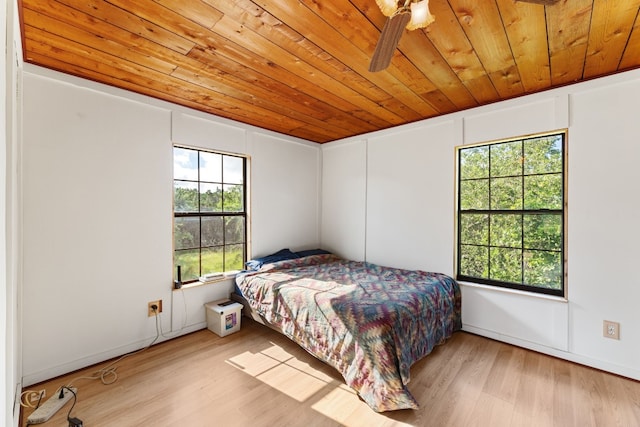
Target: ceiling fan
[409,14]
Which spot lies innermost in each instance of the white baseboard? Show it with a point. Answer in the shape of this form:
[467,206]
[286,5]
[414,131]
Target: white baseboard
[93,359]
[624,371]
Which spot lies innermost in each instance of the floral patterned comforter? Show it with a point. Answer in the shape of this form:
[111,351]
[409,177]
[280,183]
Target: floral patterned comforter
[369,322]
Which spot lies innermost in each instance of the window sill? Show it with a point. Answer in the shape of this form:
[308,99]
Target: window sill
[199,284]
[513,291]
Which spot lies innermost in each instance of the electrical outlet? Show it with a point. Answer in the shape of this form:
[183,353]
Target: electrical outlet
[611,330]
[37,396]
[158,310]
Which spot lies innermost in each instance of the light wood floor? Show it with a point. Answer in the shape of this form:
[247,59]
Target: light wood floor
[257,377]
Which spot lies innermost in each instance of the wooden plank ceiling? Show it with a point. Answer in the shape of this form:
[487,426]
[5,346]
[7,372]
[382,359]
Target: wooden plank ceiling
[300,67]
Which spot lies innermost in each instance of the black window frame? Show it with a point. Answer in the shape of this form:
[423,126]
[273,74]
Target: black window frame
[200,214]
[522,286]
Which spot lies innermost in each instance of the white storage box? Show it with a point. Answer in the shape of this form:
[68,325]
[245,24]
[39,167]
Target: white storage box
[223,316]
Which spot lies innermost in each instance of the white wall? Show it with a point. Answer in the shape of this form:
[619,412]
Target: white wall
[285,194]
[409,198]
[97,216]
[343,221]
[10,355]
[409,185]
[5,328]
[604,203]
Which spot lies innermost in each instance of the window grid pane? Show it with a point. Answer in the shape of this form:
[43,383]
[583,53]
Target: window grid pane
[209,213]
[511,231]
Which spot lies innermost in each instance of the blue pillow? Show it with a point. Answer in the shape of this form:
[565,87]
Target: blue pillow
[310,252]
[281,255]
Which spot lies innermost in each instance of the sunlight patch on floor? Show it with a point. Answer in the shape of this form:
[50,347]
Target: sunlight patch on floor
[299,380]
[338,405]
[253,364]
[292,382]
[282,371]
[337,401]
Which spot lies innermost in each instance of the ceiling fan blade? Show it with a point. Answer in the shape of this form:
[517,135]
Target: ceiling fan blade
[388,42]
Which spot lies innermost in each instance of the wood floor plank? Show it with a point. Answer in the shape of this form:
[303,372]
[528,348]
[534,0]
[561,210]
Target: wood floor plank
[534,403]
[257,377]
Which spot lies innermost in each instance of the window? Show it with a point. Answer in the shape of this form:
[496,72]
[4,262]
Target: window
[210,216]
[511,213]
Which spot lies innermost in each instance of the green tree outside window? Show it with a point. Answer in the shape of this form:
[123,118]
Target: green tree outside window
[511,213]
[210,218]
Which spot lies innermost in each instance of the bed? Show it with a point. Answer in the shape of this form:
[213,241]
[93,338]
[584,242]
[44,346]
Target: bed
[370,322]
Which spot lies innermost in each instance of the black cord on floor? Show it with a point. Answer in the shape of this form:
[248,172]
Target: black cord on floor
[75,398]
[73,422]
